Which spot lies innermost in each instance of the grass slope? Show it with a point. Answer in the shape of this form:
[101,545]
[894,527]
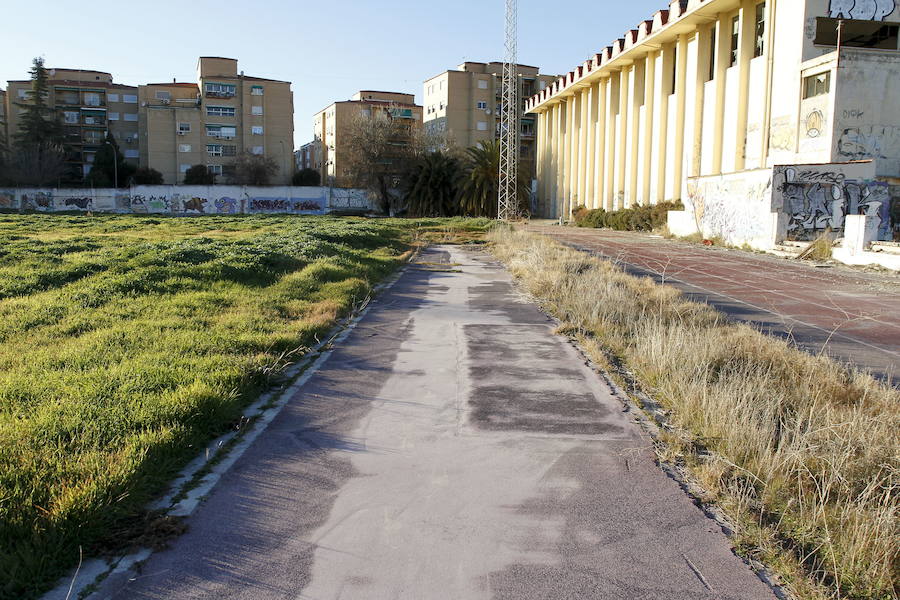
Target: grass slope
[127,342]
[800,451]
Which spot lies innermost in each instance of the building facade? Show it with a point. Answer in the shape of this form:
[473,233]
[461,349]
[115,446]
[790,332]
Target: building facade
[210,122]
[769,120]
[90,105]
[332,125]
[2,115]
[464,104]
[309,156]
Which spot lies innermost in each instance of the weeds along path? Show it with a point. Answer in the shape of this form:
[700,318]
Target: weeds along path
[850,315]
[800,451]
[127,342]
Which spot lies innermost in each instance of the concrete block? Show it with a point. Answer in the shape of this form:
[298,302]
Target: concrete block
[859,233]
[682,222]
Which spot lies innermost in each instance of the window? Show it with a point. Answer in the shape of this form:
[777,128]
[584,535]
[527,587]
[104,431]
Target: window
[735,38]
[214,149]
[229,150]
[221,131]
[23,93]
[256,110]
[256,90]
[214,169]
[184,168]
[132,154]
[184,128]
[482,105]
[161,95]
[113,116]
[256,130]
[91,118]
[130,116]
[482,84]
[70,117]
[220,90]
[219,111]
[256,149]
[857,34]
[713,51]
[92,99]
[816,85]
[482,125]
[112,97]
[184,147]
[760,47]
[129,99]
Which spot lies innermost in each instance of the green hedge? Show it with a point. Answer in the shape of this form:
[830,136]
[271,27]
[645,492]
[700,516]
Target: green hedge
[638,218]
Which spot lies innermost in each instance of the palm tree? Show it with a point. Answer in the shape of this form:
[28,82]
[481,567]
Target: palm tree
[431,186]
[480,182]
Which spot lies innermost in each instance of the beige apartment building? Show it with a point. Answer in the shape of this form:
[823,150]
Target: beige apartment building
[89,104]
[464,104]
[769,120]
[213,120]
[331,125]
[2,115]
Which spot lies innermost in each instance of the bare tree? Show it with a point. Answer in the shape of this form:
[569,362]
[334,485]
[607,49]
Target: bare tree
[252,169]
[379,150]
[35,164]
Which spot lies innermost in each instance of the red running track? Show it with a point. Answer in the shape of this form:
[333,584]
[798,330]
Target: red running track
[854,315]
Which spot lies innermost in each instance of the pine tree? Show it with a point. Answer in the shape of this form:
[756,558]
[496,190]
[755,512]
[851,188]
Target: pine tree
[109,165]
[39,125]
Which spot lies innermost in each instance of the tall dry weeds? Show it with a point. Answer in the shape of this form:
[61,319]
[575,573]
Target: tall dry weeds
[798,449]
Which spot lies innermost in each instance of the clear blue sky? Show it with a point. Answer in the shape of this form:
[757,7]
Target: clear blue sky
[327,49]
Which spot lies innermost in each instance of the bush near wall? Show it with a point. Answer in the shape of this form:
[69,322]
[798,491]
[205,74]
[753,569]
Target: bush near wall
[638,218]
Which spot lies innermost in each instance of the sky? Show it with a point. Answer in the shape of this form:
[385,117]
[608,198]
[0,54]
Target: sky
[328,50]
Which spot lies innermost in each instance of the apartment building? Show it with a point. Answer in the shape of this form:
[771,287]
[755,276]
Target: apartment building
[308,156]
[3,133]
[213,120]
[90,105]
[331,125]
[464,104]
[769,120]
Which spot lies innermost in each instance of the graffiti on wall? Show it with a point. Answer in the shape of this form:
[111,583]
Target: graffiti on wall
[41,201]
[734,208]
[302,205]
[8,201]
[227,206]
[867,10]
[870,141]
[84,203]
[815,123]
[816,200]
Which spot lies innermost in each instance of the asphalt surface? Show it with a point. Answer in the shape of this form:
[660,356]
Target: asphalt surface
[452,447]
[849,314]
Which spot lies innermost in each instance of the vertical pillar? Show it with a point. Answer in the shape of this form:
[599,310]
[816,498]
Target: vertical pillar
[704,36]
[584,109]
[635,97]
[611,110]
[649,104]
[680,99]
[622,138]
[590,172]
[662,139]
[600,144]
[745,53]
[723,61]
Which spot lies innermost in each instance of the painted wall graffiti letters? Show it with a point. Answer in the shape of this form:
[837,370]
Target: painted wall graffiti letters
[816,200]
[868,10]
[870,141]
[82,203]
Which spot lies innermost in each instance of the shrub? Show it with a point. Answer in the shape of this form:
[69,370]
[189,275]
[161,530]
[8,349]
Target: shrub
[199,175]
[306,177]
[147,176]
[636,218]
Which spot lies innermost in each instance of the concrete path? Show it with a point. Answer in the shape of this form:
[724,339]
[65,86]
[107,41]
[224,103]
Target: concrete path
[853,315]
[451,448]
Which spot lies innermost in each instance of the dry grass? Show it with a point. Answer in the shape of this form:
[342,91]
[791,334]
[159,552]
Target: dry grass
[801,452]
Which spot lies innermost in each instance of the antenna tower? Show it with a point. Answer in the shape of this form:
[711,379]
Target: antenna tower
[510,109]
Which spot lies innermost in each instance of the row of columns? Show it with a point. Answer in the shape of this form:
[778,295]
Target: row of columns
[594,149]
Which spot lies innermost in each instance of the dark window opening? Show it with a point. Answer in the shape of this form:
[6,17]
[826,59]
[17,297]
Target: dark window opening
[735,39]
[760,48]
[816,85]
[857,34]
[674,70]
[713,48]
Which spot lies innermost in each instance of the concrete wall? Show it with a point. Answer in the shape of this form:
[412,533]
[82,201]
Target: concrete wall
[818,197]
[736,207]
[196,200]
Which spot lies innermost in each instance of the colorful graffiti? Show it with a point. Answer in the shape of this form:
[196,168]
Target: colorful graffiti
[227,206]
[82,203]
[266,204]
[867,10]
[816,200]
[8,201]
[194,204]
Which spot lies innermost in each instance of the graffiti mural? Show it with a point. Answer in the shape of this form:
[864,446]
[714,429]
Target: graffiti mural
[816,200]
[82,203]
[7,201]
[867,10]
[42,201]
[227,206]
[735,208]
[301,205]
[870,141]
[194,204]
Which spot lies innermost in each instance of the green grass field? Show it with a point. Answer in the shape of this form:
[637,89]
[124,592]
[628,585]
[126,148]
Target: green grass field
[127,342]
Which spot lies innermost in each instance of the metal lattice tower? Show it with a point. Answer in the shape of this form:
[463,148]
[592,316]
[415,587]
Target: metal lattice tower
[510,109]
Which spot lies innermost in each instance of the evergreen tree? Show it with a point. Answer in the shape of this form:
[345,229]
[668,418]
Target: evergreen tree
[109,165]
[39,124]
